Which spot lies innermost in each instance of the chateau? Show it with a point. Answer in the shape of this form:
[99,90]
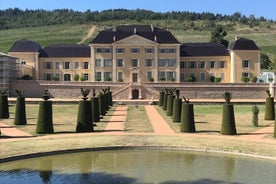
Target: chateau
[138,54]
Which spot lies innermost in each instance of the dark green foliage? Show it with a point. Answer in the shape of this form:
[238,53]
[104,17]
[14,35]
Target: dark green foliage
[20,111]
[165,101]
[218,35]
[187,118]
[170,105]
[275,128]
[45,118]
[4,104]
[161,98]
[227,97]
[46,95]
[110,100]
[269,108]
[101,104]
[255,119]
[177,105]
[85,119]
[228,126]
[95,109]
[85,93]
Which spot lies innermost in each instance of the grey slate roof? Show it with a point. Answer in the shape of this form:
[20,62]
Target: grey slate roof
[243,44]
[66,51]
[25,46]
[120,32]
[202,49]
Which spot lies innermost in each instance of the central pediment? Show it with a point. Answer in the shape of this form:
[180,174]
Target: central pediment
[135,40]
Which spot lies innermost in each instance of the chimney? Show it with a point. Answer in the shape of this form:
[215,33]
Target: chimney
[134,30]
[155,38]
[114,38]
[113,28]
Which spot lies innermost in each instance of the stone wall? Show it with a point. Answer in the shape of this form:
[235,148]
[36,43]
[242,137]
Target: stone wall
[34,89]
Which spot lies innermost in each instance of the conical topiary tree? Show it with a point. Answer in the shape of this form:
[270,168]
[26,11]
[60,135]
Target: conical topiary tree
[45,115]
[85,119]
[4,104]
[177,105]
[161,98]
[269,107]
[20,109]
[95,107]
[187,117]
[170,101]
[228,126]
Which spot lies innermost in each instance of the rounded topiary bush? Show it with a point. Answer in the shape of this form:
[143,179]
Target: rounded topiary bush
[228,126]
[4,105]
[20,110]
[85,119]
[170,105]
[161,98]
[45,118]
[187,118]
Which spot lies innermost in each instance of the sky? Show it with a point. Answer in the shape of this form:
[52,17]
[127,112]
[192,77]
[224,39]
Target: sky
[257,8]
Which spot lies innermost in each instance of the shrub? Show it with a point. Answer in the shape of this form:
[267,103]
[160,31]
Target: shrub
[76,77]
[165,100]
[177,105]
[212,79]
[254,79]
[95,107]
[162,79]
[255,119]
[45,115]
[85,119]
[228,126]
[4,104]
[170,104]
[55,78]
[27,77]
[269,107]
[20,109]
[217,79]
[161,98]
[245,79]
[187,117]
[151,79]
[190,79]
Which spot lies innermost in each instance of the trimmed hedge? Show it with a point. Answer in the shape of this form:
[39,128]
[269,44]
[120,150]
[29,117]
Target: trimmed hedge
[177,106]
[161,98]
[187,118]
[170,105]
[85,119]
[4,107]
[45,118]
[165,100]
[101,104]
[228,126]
[20,111]
[269,108]
[95,109]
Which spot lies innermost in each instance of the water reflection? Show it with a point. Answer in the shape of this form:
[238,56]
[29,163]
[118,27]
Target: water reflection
[139,166]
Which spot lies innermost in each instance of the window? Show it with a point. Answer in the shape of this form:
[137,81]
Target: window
[134,50]
[245,74]
[85,65]
[182,77]
[98,62]
[202,76]
[120,62]
[212,64]
[120,76]
[161,75]
[149,75]
[57,65]
[106,50]
[202,64]
[245,64]
[170,76]
[107,63]
[120,50]
[134,63]
[162,50]
[148,50]
[57,76]
[162,62]
[171,50]
[47,76]
[98,50]
[222,64]
[171,62]
[66,65]
[192,64]
[107,76]
[98,76]
[86,76]
[67,77]
[148,62]
[182,64]
[76,65]
[222,76]
[47,65]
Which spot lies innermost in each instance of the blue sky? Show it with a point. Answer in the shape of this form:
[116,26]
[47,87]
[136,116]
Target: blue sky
[257,8]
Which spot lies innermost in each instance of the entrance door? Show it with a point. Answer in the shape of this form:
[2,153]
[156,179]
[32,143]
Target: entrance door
[134,77]
[135,94]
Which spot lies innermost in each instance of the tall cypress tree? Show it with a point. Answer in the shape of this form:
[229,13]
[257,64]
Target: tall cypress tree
[4,104]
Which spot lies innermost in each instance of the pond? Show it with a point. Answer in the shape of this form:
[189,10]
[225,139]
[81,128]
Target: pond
[140,166]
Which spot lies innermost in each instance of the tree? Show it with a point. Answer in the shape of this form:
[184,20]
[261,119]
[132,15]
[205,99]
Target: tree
[265,61]
[218,35]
